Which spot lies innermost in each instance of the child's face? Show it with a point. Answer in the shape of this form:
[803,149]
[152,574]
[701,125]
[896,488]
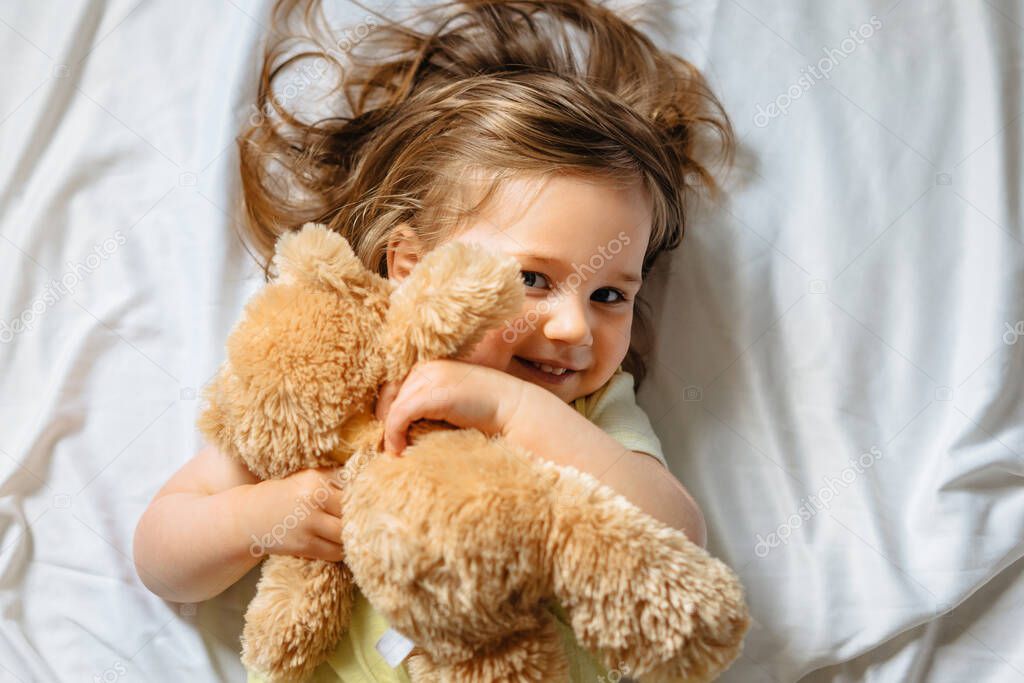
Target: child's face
[580,243]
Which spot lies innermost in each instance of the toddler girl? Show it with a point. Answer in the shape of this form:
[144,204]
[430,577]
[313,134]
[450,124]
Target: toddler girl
[553,131]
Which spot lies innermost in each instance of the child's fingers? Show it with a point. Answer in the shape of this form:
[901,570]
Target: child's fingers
[320,549]
[327,527]
[394,435]
[321,487]
[396,421]
[401,414]
[420,396]
[385,398]
[331,504]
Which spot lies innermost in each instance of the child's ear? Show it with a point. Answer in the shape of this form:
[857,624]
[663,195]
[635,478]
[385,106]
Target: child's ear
[404,252]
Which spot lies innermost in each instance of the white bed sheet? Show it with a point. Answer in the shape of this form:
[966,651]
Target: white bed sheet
[859,288]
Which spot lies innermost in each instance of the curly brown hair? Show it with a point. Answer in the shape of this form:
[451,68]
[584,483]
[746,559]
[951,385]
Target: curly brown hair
[485,91]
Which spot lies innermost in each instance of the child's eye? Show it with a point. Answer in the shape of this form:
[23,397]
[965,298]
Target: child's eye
[530,278]
[621,295]
[535,279]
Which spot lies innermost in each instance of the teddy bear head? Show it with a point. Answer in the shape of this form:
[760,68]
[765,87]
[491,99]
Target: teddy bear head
[313,346]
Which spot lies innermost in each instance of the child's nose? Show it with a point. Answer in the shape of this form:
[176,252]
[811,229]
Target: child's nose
[567,321]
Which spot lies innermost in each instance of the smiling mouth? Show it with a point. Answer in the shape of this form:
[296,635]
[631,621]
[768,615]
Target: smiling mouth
[544,368]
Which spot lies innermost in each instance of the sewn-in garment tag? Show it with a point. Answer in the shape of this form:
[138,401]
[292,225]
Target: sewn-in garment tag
[394,647]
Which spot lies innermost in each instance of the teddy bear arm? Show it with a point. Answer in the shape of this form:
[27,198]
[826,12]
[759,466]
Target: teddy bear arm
[301,609]
[639,592]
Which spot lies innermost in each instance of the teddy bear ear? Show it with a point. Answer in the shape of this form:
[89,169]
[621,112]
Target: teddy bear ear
[455,294]
[317,256]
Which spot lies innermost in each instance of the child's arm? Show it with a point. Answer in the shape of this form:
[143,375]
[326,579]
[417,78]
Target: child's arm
[497,403]
[583,445]
[213,521]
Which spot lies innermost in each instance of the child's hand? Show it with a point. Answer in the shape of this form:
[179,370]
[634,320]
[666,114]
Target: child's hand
[298,515]
[463,394]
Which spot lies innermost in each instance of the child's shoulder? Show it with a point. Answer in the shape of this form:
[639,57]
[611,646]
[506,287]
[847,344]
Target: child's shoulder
[614,409]
[618,386]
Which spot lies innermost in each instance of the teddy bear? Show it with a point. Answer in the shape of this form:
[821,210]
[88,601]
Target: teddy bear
[465,541]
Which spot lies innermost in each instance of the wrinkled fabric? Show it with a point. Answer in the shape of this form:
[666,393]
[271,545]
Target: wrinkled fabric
[836,377]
